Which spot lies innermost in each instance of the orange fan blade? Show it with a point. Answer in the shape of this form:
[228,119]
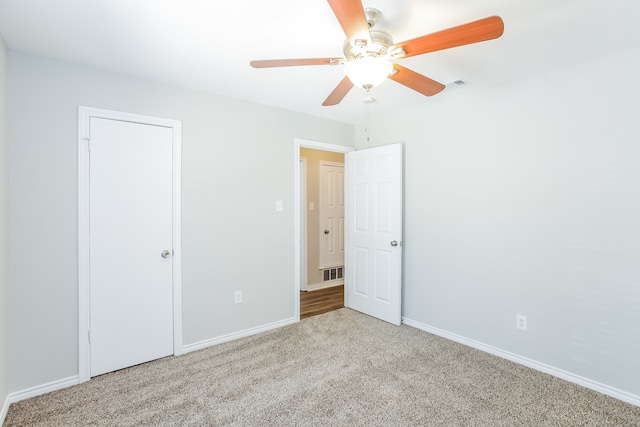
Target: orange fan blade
[473,32]
[269,63]
[416,81]
[338,93]
[353,21]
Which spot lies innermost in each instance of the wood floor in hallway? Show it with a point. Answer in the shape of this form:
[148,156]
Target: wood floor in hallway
[321,301]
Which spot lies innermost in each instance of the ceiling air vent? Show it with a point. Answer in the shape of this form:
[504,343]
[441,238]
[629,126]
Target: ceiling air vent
[456,84]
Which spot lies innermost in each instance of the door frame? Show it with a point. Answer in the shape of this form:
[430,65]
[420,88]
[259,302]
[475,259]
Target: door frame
[84,302]
[303,224]
[316,145]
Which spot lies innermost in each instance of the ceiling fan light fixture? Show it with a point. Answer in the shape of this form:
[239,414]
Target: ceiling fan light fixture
[368,72]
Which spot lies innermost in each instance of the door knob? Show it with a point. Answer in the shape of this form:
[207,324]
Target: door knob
[165,254]
[326,231]
[394,243]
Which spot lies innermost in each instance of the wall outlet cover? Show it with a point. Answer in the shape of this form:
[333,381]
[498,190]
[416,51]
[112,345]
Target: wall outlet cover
[521,322]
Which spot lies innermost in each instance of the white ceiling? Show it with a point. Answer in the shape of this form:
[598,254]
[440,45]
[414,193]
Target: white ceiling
[207,44]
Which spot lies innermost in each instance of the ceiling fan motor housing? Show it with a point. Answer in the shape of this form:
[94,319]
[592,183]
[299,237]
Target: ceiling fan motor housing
[380,41]
[372,16]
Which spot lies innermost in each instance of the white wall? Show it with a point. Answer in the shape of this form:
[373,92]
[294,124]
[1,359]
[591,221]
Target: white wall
[4,227]
[525,199]
[237,161]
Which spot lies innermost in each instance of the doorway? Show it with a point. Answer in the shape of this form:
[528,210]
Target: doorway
[322,231]
[129,221]
[309,213]
[323,215]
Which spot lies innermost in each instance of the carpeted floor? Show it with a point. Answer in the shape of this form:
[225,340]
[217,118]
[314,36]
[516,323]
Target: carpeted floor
[337,369]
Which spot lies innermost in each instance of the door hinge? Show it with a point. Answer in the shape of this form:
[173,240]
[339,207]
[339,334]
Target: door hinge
[89,335]
[88,139]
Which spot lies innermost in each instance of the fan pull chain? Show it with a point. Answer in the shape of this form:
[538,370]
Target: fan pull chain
[366,115]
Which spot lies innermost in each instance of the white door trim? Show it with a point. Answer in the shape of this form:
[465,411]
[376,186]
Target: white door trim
[84,315]
[303,224]
[297,144]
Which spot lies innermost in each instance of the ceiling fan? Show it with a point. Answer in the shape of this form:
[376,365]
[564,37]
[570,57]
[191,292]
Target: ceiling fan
[371,55]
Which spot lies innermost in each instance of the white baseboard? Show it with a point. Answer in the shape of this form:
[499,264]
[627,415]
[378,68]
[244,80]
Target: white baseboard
[42,389]
[234,336]
[324,285]
[5,409]
[533,364]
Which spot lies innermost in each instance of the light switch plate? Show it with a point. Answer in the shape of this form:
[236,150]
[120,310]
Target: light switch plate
[278,205]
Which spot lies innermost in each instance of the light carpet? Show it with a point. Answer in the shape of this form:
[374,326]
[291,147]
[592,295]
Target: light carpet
[341,368]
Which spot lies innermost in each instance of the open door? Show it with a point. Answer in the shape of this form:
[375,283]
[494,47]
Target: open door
[373,222]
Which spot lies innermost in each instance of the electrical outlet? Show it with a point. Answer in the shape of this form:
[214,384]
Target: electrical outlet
[521,322]
[238,297]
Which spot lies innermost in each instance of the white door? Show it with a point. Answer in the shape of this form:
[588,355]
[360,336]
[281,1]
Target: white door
[374,232]
[130,225]
[331,214]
